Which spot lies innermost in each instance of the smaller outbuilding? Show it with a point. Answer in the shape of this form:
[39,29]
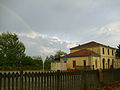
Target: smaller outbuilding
[58,66]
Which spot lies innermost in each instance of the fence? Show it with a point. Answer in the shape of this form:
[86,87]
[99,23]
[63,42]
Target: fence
[74,80]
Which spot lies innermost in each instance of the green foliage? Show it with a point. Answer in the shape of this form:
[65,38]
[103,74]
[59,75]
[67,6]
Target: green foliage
[38,63]
[59,54]
[51,58]
[31,63]
[26,62]
[12,54]
[11,48]
[118,51]
[47,63]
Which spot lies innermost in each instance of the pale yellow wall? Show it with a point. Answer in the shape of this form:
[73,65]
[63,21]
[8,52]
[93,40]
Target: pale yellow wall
[96,60]
[106,51]
[117,63]
[106,62]
[90,61]
[94,49]
[74,50]
[98,50]
[106,56]
[79,61]
[58,66]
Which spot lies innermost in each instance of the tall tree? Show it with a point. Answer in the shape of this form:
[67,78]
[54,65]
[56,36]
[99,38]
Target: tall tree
[26,62]
[47,63]
[51,58]
[118,51]
[11,48]
[59,54]
[38,62]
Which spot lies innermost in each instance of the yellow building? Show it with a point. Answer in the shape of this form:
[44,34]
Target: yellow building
[91,55]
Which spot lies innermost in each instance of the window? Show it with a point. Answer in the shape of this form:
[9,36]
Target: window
[93,67]
[112,63]
[103,62]
[103,51]
[112,52]
[65,61]
[96,63]
[108,63]
[74,63]
[84,63]
[108,52]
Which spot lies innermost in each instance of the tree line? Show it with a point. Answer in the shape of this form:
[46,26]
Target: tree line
[13,57]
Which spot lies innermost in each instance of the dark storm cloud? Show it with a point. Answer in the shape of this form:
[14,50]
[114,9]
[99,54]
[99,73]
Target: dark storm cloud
[46,26]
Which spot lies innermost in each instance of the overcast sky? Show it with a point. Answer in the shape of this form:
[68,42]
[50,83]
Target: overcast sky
[46,26]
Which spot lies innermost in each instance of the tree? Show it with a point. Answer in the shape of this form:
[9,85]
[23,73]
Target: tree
[118,51]
[37,62]
[51,58]
[59,54]
[47,63]
[25,63]
[11,48]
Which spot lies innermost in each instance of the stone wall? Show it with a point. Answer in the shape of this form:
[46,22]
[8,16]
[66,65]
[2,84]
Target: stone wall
[58,66]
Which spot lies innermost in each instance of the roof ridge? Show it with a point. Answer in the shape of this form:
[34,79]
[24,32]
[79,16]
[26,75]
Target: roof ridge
[92,42]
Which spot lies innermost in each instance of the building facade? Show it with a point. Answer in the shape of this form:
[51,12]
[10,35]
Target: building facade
[91,55]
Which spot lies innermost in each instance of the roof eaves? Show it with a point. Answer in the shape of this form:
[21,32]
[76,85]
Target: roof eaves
[82,56]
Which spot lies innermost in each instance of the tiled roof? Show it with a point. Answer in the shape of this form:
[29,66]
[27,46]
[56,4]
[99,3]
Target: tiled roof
[91,44]
[81,53]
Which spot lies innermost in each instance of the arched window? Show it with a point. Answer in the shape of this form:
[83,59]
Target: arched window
[108,63]
[96,63]
[103,62]
[112,63]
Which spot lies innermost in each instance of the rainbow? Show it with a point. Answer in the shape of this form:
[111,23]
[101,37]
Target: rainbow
[13,12]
